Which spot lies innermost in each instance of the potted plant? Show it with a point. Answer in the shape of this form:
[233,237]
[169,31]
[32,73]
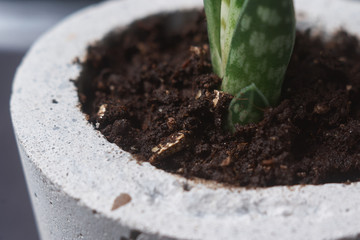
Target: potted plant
[82,186]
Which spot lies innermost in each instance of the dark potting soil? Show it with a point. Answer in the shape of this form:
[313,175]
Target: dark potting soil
[151,91]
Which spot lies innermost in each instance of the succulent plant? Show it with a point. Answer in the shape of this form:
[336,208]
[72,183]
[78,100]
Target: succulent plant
[251,42]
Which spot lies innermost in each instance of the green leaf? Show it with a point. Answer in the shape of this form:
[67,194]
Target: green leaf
[251,42]
[230,12]
[212,11]
[261,47]
[247,106]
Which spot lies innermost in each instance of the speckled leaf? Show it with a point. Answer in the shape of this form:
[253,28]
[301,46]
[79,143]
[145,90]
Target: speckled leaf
[212,11]
[247,106]
[251,43]
[261,47]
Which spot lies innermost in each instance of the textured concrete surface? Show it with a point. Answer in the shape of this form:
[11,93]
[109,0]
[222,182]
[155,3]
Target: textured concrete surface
[13,193]
[21,22]
[75,176]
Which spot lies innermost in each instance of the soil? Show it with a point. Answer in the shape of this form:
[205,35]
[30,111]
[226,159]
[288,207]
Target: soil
[151,91]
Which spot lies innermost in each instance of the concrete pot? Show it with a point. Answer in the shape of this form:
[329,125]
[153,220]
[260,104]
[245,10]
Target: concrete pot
[83,187]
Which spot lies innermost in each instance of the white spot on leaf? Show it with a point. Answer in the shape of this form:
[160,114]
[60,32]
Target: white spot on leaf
[280,45]
[236,108]
[259,43]
[245,22]
[268,15]
[277,43]
[243,114]
[238,55]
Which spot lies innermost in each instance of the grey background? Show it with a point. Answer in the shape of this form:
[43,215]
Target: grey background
[21,22]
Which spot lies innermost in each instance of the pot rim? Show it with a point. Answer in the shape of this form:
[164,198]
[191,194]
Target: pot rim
[80,162]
